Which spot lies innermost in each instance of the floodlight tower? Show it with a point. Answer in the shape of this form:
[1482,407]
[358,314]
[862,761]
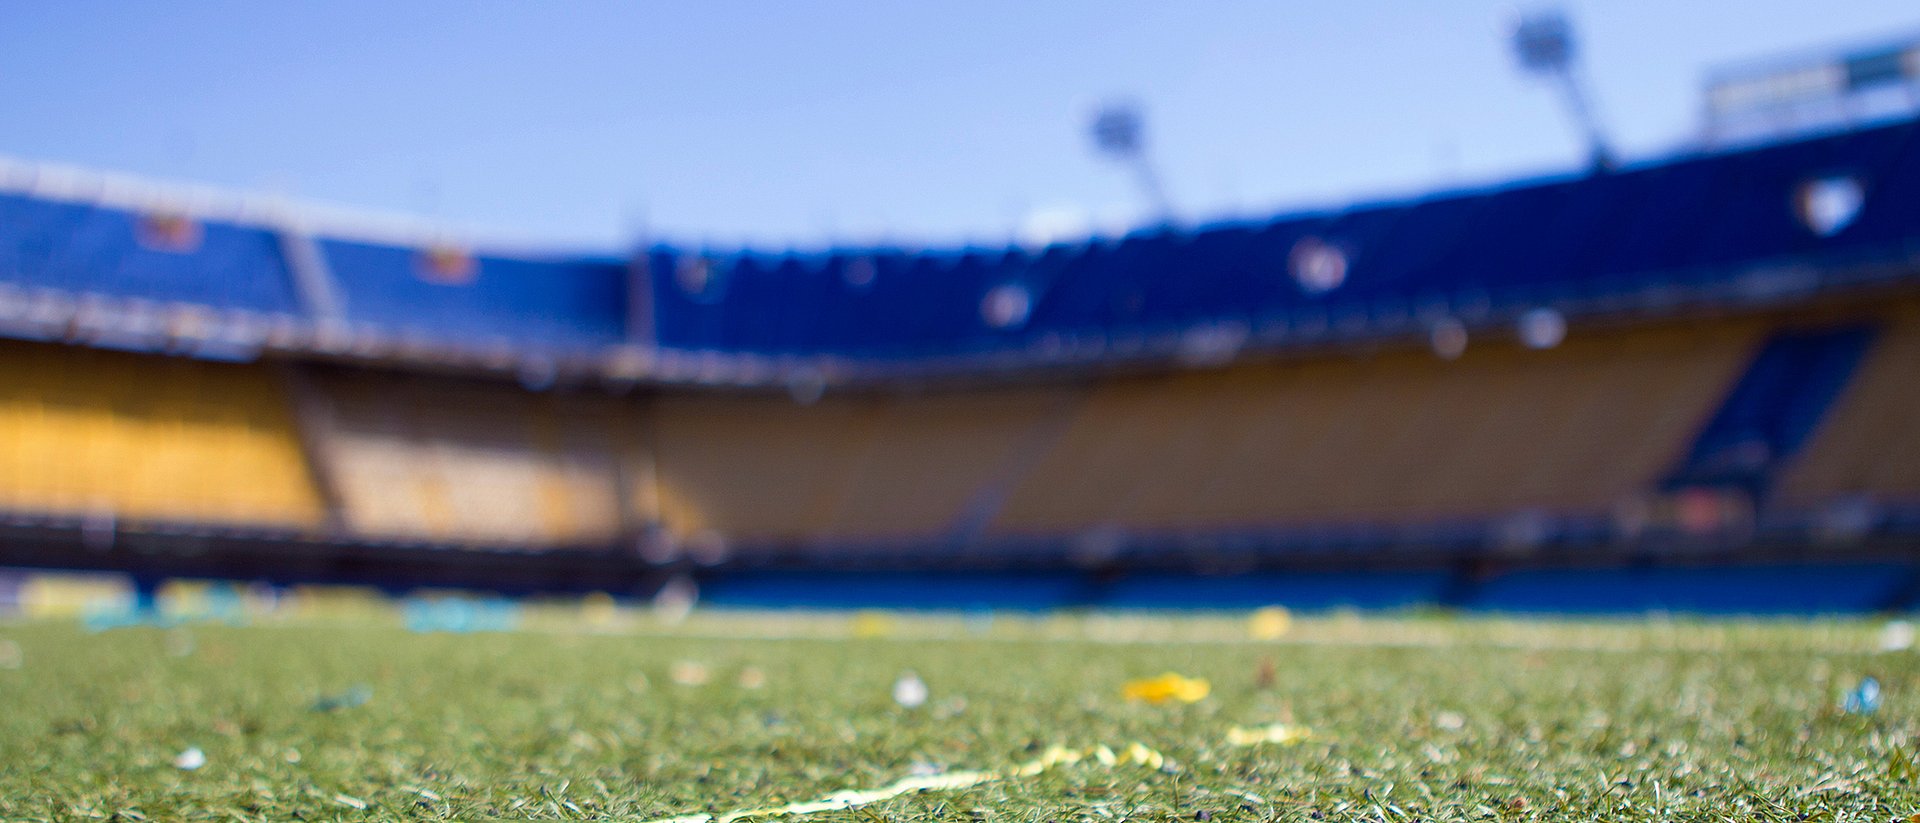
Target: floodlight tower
[1543,41]
[1117,132]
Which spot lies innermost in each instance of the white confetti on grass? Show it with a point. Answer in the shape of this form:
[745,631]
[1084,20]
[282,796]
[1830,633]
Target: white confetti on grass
[190,760]
[689,673]
[752,677]
[1896,636]
[910,691]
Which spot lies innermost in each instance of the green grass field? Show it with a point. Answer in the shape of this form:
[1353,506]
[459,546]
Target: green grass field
[1411,718]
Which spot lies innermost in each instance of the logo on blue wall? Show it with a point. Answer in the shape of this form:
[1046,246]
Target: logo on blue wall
[1829,204]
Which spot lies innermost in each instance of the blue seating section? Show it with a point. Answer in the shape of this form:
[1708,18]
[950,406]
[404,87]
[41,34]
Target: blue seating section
[1036,591]
[1781,589]
[94,250]
[1693,221]
[539,304]
[558,304]
[1705,220]
[1307,591]
[1769,414]
[1804,589]
[918,590]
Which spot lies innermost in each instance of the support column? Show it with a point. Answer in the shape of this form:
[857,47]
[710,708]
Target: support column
[313,280]
[312,422]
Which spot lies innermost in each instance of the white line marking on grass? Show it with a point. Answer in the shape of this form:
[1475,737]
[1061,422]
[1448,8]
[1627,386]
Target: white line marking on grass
[1136,753]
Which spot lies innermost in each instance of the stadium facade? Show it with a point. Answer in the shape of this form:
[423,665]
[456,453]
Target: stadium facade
[1688,382]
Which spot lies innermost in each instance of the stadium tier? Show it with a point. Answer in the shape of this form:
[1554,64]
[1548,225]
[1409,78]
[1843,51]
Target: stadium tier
[94,433]
[1766,225]
[1868,448]
[448,297]
[1735,225]
[456,461]
[1398,437]
[159,256]
[1706,354]
[863,470]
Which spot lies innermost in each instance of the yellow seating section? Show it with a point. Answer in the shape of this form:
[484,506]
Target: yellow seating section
[148,438]
[1869,443]
[462,461]
[1398,437]
[847,467]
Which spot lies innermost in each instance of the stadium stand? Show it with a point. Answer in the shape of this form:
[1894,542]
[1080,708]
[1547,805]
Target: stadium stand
[1726,223]
[1705,353]
[1772,409]
[452,297]
[942,590]
[1707,229]
[874,469]
[163,257]
[116,435]
[1301,590]
[469,462]
[1395,437]
[1794,588]
[1866,447]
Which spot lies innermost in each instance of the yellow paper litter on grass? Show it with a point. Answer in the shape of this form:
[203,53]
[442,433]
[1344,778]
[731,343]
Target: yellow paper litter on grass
[872,623]
[1166,687]
[1270,623]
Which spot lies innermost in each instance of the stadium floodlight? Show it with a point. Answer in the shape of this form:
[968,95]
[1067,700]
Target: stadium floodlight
[1118,131]
[1543,42]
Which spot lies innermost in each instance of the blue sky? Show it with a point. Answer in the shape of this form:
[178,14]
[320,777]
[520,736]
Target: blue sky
[800,124]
